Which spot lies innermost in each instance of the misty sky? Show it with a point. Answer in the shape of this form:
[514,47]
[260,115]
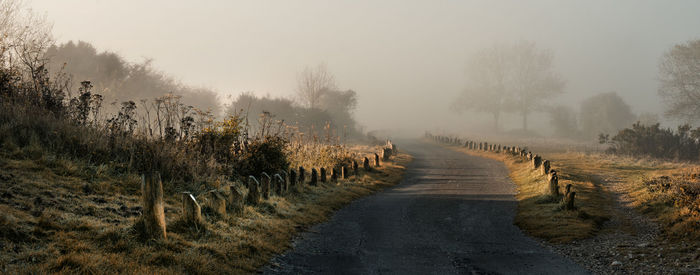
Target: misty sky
[405,59]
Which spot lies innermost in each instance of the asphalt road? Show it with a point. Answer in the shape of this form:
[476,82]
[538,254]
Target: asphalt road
[451,214]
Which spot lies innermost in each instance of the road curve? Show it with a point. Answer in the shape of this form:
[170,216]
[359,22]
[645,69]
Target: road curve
[451,214]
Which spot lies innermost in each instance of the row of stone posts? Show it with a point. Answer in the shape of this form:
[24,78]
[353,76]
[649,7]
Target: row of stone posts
[230,199]
[536,161]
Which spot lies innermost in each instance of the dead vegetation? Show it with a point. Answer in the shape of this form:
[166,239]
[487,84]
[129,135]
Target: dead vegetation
[66,216]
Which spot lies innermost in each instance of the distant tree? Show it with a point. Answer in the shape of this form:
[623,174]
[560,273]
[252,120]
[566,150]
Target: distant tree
[514,78]
[340,105]
[563,121]
[24,38]
[334,112]
[679,75]
[604,113]
[487,91]
[312,82]
[118,80]
[533,80]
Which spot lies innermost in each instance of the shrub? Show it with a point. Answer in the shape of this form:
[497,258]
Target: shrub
[653,141]
[262,155]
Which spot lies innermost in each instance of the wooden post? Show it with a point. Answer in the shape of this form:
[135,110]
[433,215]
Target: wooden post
[153,211]
[376,160]
[365,164]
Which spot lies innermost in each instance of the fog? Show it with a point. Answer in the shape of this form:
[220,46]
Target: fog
[406,60]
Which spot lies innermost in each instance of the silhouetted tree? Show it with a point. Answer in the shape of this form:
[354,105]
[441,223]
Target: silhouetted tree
[563,121]
[487,90]
[312,82]
[514,78]
[604,113]
[118,80]
[679,74]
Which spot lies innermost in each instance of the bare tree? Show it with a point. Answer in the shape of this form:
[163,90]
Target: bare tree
[513,78]
[679,74]
[487,73]
[311,83]
[24,39]
[533,79]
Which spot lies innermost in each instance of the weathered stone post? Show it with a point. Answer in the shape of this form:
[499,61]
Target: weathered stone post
[554,186]
[323,174]
[386,154]
[234,199]
[334,174]
[569,201]
[191,211]
[314,177]
[536,161]
[253,196]
[365,164]
[265,185]
[153,211]
[545,167]
[279,184]
[214,201]
[551,174]
[344,170]
[355,168]
[292,178]
[302,175]
[376,160]
[285,181]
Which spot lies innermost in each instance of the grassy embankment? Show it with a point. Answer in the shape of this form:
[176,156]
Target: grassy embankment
[667,192]
[542,216]
[62,215]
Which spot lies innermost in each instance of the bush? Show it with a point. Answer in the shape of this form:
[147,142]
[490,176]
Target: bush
[653,141]
[262,155]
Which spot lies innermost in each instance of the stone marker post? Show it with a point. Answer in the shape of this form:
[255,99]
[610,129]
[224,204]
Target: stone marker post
[191,211]
[153,211]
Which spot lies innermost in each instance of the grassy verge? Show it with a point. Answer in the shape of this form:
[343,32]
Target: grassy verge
[64,216]
[540,215]
[667,192]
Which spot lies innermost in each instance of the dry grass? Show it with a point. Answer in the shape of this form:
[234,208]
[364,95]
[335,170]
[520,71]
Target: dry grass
[667,192]
[62,216]
[541,215]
